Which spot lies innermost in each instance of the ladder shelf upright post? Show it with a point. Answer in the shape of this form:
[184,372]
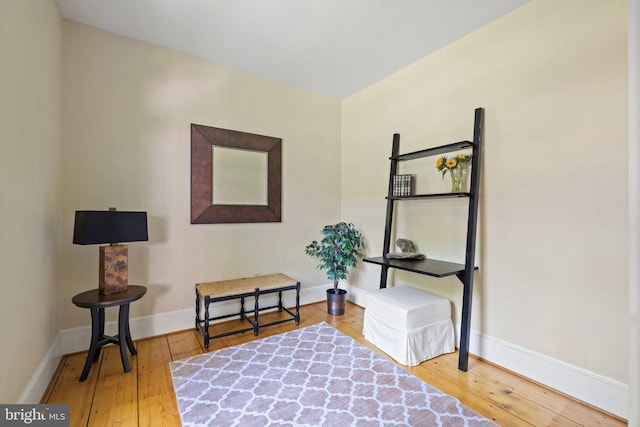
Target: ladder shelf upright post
[388,223]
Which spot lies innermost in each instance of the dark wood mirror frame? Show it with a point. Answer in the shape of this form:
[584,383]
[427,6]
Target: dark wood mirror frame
[203,211]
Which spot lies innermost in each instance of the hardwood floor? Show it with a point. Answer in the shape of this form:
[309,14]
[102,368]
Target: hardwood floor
[145,397]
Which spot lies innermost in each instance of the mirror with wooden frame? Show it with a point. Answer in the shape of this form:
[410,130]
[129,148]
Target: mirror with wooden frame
[235,176]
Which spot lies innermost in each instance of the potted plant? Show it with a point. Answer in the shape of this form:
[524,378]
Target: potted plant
[340,248]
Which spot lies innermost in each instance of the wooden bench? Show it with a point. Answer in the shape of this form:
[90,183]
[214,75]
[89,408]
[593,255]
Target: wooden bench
[250,287]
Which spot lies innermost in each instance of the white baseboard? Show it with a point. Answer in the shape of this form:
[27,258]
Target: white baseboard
[357,295]
[594,389]
[41,377]
[77,339]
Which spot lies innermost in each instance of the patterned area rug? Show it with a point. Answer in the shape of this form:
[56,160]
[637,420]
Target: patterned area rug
[313,376]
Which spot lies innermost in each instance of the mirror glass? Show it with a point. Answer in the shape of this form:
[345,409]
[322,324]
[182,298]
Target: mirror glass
[239,177]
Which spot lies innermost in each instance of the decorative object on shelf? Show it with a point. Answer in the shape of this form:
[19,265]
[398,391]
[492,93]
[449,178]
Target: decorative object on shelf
[408,250]
[454,166]
[406,245]
[402,185]
[113,227]
[340,249]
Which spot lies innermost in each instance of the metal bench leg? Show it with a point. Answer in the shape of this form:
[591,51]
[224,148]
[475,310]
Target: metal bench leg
[297,303]
[206,322]
[256,309]
[197,309]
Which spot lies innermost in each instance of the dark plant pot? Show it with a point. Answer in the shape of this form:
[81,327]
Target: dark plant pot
[336,302]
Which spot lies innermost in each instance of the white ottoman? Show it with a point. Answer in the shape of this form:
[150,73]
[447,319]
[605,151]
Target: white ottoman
[408,324]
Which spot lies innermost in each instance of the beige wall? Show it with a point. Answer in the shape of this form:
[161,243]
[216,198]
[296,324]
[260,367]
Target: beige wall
[634,211]
[30,169]
[128,107]
[552,248]
[552,252]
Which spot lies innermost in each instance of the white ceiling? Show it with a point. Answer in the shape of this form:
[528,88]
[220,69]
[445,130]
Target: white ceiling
[332,47]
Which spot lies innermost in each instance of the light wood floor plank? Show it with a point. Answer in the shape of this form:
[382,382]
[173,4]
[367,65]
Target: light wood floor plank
[469,396]
[539,395]
[157,405]
[145,396]
[488,391]
[68,389]
[183,344]
[512,386]
[115,402]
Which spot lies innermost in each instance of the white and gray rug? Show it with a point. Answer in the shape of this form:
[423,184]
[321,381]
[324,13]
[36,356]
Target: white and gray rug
[313,376]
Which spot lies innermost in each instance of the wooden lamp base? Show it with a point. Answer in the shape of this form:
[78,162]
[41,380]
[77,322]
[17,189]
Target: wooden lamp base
[114,269]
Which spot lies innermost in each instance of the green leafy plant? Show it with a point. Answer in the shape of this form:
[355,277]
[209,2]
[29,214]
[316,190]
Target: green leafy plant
[340,249]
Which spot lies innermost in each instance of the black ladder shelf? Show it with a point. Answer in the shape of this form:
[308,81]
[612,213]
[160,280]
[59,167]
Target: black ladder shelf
[432,267]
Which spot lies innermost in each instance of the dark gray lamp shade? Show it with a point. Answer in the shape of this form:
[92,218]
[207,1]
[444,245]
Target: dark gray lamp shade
[98,227]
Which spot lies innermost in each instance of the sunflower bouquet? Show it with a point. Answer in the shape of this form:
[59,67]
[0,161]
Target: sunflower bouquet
[454,166]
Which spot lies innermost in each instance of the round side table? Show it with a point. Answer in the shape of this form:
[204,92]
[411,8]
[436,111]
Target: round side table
[97,303]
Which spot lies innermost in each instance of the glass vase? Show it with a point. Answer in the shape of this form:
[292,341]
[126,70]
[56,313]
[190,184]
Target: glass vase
[456,179]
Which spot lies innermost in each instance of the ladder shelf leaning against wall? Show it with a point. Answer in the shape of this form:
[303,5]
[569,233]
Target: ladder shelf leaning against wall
[432,267]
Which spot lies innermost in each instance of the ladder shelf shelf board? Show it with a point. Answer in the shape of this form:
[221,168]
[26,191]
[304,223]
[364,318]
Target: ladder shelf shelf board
[434,151]
[430,196]
[427,266]
[431,267]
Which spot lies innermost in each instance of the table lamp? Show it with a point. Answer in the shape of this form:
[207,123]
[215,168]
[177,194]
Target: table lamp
[113,227]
